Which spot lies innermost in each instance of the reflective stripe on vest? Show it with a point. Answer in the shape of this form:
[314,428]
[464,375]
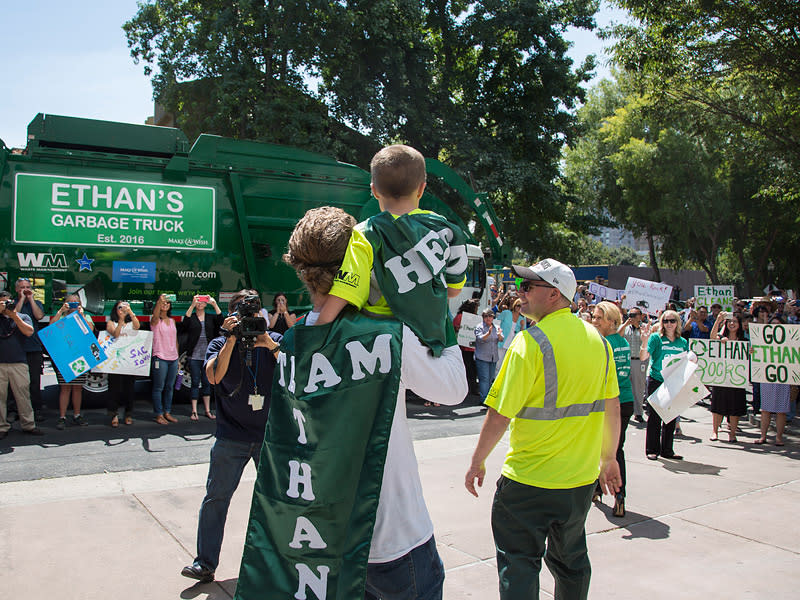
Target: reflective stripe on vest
[551,412]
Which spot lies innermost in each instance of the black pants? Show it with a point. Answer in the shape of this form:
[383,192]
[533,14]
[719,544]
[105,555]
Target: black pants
[531,523]
[659,435]
[471,369]
[35,362]
[121,390]
[625,413]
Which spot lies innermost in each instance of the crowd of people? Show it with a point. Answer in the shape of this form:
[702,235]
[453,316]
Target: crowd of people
[564,371]
[178,347]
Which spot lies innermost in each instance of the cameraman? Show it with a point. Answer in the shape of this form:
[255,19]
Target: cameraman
[14,329]
[243,393]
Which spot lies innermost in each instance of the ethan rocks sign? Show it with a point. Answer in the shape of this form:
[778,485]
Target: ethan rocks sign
[73,211]
[720,363]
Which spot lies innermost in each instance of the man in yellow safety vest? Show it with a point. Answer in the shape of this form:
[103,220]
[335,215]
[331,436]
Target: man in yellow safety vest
[557,388]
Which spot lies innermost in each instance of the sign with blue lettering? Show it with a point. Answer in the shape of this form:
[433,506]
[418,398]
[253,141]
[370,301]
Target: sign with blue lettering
[133,272]
[72,346]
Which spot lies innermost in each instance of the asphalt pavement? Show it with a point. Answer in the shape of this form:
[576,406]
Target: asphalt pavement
[720,523]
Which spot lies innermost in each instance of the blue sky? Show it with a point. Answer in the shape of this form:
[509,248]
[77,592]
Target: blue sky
[71,58]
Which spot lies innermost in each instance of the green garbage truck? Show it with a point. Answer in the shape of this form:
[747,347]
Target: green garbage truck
[126,212]
[117,211]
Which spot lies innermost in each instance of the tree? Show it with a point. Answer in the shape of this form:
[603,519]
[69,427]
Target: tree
[697,51]
[485,86]
[736,62]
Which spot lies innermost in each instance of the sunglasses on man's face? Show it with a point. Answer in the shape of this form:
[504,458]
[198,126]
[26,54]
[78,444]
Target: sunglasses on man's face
[527,286]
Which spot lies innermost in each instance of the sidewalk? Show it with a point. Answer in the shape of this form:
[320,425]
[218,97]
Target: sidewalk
[720,523]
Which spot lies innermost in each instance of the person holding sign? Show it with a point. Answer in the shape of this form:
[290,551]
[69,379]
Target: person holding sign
[121,323]
[728,402]
[776,399]
[663,341]
[243,392]
[72,303]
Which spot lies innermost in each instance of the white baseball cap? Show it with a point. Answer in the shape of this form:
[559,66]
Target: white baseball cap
[549,270]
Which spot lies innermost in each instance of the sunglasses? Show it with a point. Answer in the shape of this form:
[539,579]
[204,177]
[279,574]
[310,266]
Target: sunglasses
[670,321]
[23,279]
[526,286]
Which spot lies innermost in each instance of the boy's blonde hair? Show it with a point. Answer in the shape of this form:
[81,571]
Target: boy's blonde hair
[397,171]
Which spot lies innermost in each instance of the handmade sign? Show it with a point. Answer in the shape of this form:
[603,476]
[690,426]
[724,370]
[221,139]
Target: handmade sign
[722,363]
[321,467]
[72,346]
[775,356]
[681,389]
[127,355]
[706,295]
[602,292]
[648,296]
[466,333]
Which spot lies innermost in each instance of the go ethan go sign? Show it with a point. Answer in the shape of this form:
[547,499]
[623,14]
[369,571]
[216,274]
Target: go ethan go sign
[775,353]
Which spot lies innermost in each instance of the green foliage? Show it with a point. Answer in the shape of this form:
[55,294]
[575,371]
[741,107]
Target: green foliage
[484,86]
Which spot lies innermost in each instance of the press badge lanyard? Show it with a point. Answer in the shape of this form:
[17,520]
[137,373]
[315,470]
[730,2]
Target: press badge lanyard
[256,400]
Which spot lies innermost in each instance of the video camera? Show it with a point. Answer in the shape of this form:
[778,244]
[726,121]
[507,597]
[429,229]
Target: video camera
[250,326]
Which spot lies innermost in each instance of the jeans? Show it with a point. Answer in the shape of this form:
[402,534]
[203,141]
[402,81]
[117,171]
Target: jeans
[531,523]
[228,460]
[486,371]
[164,374]
[419,575]
[199,379]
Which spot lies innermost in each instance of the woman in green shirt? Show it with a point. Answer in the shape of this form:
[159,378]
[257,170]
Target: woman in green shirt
[606,317]
[665,340]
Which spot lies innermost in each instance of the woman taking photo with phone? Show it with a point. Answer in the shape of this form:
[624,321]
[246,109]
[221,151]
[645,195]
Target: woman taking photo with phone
[201,327]
[165,360]
[664,341]
[122,323]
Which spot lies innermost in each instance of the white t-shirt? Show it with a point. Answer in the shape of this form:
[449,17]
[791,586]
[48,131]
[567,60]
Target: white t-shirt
[127,327]
[402,522]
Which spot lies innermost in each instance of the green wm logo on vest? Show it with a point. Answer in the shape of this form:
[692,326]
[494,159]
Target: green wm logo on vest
[347,278]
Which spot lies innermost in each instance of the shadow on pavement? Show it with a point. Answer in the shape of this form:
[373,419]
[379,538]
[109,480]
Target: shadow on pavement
[639,525]
[687,466]
[216,590]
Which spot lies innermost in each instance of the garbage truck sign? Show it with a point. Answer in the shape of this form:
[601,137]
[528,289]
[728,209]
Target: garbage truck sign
[78,211]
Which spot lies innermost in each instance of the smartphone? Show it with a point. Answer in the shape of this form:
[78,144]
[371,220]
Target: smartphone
[73,304]
[203,298]
[171,297]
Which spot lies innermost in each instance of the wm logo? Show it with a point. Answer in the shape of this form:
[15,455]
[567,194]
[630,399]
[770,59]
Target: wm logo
[41,260]
[346,278]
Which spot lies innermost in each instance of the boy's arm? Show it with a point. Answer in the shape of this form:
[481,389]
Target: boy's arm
[331,309]
[352,284]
